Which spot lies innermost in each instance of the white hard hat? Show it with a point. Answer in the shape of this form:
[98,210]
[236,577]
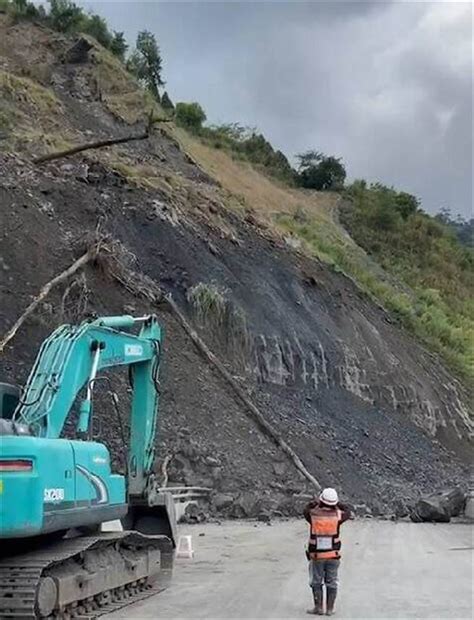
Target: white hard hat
[329,497]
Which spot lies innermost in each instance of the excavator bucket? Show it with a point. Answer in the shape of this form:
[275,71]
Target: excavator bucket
[158,518]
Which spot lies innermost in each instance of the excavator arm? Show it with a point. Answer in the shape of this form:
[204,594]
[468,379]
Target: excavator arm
[70,360]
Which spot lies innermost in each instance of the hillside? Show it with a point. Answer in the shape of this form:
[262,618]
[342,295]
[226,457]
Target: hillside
[359,398]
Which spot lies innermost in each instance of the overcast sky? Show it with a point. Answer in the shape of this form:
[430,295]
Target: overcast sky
[387,86]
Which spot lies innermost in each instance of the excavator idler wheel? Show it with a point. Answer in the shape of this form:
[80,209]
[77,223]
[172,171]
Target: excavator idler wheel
[46,597]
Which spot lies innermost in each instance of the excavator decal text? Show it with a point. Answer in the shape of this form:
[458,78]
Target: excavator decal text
[53,495]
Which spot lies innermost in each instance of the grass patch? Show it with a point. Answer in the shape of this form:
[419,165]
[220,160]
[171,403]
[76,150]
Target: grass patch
[8,116]
[37,141]
[249,187]
[111,75]
[226,321]
[23,91]
[142,175]
[209,302]
[120,91]
[134,106]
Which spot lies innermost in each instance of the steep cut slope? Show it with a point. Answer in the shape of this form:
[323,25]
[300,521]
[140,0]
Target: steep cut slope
[366,407]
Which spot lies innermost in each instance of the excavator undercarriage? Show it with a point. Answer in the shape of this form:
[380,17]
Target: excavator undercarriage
[84,577]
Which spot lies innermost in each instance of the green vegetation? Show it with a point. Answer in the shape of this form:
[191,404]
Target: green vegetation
[190,116]
[145,63]
[226,322]
[462,228]
[21,9]
[423,254]
[209,302]
[241,142]
[320,172]
[316,170]
[166,103]
[431,288]
[118,46]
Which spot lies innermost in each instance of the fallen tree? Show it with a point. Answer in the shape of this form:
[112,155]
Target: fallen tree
[99,144]
[88,146]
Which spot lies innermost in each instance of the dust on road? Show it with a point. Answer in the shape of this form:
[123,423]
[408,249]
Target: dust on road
[388,570]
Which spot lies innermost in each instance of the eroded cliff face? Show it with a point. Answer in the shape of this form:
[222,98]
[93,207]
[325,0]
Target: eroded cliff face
[366,407]
[308,328]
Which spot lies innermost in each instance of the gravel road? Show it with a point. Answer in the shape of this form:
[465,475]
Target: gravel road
[388,570]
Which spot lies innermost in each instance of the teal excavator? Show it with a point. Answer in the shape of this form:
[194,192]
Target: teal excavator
[56,491]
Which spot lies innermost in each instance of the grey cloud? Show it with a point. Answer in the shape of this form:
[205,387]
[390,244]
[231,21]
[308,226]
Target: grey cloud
[387,86]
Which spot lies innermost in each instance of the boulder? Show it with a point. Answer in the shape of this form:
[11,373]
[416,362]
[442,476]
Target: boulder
[362,510]
[79,52]
[264,517]
[293,506]
[279,469]
[469,508]
[439,507]
[244,506]
[194,514]
[221,501]
[400,508]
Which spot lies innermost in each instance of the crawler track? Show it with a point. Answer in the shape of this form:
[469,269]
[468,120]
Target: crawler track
[84,577]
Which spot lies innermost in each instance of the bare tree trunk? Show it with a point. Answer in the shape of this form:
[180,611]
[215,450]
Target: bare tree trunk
[87,146]
[99,144]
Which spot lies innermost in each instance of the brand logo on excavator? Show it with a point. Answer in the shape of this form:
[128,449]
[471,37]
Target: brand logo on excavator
[133,349]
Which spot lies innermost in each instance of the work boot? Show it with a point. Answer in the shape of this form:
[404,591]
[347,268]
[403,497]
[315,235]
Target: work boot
[331,594]
[318,603]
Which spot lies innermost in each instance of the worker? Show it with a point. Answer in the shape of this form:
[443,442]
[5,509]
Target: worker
[325,516]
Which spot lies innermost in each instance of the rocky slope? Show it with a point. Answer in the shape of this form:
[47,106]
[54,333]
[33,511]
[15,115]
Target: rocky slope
[365,406]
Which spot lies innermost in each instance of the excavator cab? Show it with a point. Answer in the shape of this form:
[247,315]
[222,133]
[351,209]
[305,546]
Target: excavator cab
[9,399]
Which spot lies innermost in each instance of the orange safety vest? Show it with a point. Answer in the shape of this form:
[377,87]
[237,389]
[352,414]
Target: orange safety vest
[324,541]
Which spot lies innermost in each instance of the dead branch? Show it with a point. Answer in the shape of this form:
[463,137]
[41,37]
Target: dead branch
[99,144]
[252,410]
[62,277]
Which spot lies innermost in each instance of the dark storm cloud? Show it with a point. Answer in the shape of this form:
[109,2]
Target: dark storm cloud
[387,86]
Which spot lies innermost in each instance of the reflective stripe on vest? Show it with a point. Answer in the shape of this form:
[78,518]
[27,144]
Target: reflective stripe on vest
[324,541]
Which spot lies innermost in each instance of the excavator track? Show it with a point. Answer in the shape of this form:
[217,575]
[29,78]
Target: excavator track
[84,577]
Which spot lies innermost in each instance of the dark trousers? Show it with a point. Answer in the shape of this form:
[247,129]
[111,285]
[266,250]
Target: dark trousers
[323,572]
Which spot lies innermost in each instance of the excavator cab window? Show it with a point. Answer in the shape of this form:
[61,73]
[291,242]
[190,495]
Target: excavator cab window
[9,397]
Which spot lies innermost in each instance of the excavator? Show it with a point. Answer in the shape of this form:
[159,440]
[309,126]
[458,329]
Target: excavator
[57,486]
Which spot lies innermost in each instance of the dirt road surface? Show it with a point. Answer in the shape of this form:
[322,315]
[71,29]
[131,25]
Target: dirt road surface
[389,570]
